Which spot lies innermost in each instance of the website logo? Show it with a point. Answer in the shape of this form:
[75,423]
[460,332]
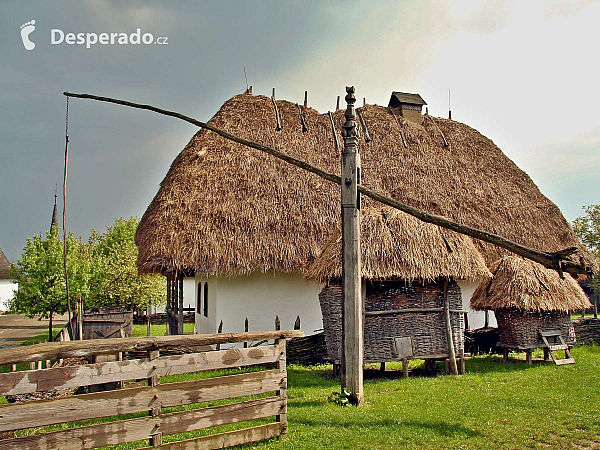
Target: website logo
[58,36]
[26,30]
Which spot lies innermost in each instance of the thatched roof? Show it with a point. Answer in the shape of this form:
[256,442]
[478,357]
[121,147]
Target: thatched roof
[4,267]
[229,209]
[395,245]
[526,285]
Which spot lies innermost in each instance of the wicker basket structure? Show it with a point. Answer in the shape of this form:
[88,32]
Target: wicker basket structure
[427,329]
[520,329]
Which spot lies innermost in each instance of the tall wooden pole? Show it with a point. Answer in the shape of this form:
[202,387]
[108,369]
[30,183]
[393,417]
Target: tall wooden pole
[353,311]
[64,219]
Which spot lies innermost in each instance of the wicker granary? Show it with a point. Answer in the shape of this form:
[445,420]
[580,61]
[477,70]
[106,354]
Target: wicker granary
[406,267]
[526,297]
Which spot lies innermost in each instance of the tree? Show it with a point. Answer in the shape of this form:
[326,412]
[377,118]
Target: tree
[40,274]
[587,229]
[115,279]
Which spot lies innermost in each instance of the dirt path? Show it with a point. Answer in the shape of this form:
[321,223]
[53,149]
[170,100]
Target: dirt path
[15,329]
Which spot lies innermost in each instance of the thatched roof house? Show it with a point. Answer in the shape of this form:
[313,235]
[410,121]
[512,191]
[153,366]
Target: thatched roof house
[7,284]
[4,267]
[526,297]
[226,210]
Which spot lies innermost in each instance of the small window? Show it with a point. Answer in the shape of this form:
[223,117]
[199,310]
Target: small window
[199,299]
[205,299]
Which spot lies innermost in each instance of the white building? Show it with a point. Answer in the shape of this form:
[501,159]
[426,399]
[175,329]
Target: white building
[7,284]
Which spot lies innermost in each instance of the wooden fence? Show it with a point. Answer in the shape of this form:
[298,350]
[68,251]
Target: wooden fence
[147,396]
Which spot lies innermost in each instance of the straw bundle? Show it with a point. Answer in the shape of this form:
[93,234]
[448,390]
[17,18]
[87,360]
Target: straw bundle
[228,209]
[395,245]
[528,286]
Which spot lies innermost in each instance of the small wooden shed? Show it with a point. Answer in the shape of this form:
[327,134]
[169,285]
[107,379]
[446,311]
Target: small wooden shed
[528,299]
[409,270]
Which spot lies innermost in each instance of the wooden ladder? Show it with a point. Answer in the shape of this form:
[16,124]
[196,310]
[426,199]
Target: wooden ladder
[557,343]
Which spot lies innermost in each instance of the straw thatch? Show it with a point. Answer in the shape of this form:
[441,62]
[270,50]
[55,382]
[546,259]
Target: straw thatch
[395,245]
[225,208]
[528,286]
[4,267]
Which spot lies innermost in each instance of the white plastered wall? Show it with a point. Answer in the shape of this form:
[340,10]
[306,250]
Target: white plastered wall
[260,297]
[476,318]
[6,293]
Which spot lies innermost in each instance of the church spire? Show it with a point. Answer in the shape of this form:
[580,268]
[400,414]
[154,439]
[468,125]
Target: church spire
[54,214]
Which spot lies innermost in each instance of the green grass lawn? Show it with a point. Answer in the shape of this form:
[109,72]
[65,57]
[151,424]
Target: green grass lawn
[492,406]
[158,330]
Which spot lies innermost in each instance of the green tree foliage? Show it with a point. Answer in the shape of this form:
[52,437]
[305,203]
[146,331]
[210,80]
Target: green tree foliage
[41,278]
[115,279]
[587,229]
[102,272]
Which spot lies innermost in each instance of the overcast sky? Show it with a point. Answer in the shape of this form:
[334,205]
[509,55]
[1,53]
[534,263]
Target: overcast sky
[525,74]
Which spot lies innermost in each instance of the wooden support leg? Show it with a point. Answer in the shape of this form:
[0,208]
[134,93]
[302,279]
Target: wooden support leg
[336,368]
[382,366]
[405,368]
[529,357]
[545,353]
[505,356]
[461,355]
[447,366]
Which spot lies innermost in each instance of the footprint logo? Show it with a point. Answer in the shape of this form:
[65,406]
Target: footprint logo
[26,30]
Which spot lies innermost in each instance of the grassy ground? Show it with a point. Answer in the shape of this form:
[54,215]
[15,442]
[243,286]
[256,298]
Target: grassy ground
[159,330]
[492,406]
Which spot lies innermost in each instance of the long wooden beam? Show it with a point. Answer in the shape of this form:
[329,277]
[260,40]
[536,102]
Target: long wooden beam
[124,401]
[553,260]
[22,382]
[69,349]
[118,432]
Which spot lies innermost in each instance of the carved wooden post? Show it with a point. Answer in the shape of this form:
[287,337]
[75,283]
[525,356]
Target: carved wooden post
[352,331]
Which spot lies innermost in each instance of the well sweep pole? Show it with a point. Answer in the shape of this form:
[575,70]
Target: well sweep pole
[352,331]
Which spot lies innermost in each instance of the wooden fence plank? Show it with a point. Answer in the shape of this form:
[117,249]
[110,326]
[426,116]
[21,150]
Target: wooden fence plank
[228,439]
[13,383]
[124,401]
[56,350]
[142,428]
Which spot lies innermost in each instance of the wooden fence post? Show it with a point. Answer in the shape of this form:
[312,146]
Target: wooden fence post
[220,330]
[80,320]
[277,323]
[281,366]
[297,323]
[246,330]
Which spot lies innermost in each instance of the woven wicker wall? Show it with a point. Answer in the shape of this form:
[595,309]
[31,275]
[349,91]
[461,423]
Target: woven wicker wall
[427,329]
[520,328]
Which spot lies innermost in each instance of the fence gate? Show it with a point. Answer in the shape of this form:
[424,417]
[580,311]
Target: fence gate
[148,410]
